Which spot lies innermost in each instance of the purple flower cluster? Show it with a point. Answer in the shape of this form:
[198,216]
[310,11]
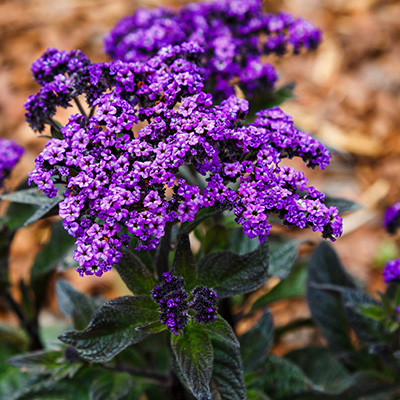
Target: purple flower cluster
[391,220]
[171,296]
[10,153]
[121,161]
[235,34]
[391,271]
[204,302]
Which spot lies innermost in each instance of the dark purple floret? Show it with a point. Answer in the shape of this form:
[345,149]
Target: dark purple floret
[391,220]
[235,34]
[205,304]
[10,153]
[171,296]
[391,271]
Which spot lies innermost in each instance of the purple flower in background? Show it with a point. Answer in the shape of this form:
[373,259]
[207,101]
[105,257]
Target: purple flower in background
[10,153]
[171,296]
[235,36]
[391,272]
[120,177]
[204,302]
[391,220]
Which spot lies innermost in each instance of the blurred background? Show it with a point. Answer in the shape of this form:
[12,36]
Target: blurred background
[347,95]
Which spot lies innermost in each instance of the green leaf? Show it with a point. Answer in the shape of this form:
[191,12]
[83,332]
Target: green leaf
[223,330]
[255,343]
[231,274]
[227,373]
[281,379]
[240,242]
[367,330]
[327,310]
[372,311]
[75,305]
[133,272]
[49,258]
[253,394]
[343,205]
[194,355]
[282,256]
[184,263]
[321,366]
[214,238]
[292,286]
[46,210]
[32,196]
[46,362]
[113,328]
[49,389]
[203,214]
[115,386]
[269,99]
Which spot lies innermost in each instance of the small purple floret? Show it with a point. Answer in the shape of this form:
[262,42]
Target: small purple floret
[10,153]
[204,302]
[391,220]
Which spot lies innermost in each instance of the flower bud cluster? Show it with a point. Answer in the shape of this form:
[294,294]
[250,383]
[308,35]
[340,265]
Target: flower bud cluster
[391,220]
[205,303]
[121,161]
[391,271]
[10,153]
[235,34]
[171,296]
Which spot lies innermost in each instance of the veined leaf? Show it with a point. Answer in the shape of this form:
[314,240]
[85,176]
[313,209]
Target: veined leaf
[231,274]
[223,330]
[255,344]
[113,328]
[194,355]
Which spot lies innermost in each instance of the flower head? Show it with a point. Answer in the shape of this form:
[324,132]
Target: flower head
[10,153]
[204,302]
[391,219]
[235,35]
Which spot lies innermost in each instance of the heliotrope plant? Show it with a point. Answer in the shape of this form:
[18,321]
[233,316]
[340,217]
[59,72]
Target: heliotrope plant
[159,149]
[236,36]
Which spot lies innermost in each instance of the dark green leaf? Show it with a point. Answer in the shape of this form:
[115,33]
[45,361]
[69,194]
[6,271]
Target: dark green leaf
[269,99]
[227,374]
[282,256]
[32,196]
[326,309]
[231,274]
[343,205]
[133,272]
[240,243]
[184,263]
[254,394]
[223,330]
[255,343]
[75,305]
[367,330]
[194,355]
[214,238]
[281,379]
[49,389]
[292,286]
[46,362]
[203,214]
[113,328]
[49,258]
[14,336]
[115,386]
[46,210]
[320,365]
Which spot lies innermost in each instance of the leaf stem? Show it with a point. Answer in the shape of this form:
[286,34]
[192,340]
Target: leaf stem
[79,105]
[162,379]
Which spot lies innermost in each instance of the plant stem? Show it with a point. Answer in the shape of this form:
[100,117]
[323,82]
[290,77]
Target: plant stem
[163,251]
[162,379]
[79,105]
[31,327]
